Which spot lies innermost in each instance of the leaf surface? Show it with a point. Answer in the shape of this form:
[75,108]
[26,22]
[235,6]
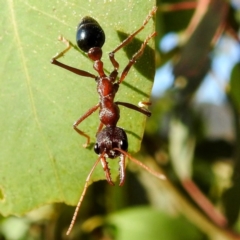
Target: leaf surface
[42,158]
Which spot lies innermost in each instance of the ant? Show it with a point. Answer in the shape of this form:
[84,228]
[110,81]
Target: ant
[111,141]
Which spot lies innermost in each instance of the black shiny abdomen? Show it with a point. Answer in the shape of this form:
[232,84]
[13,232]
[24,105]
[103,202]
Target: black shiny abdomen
[89,34]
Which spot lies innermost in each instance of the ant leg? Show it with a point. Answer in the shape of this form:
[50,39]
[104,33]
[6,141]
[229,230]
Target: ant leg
[106,169]
[87,114]
[100,127]
[142,104]
[71,69]
[82,196]
[122,169]
[136,108]
[67,43]
[130,37]
[135,57]
[113,75]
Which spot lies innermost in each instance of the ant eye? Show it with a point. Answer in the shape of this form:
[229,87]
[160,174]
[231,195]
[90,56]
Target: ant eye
[89,34]
[96,149]
[124,145]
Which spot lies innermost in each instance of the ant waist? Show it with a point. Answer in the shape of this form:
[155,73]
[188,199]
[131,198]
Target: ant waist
[109,104]
[107,99]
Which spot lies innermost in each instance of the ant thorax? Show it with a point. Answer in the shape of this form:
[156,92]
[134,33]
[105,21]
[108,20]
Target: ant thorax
[105,87]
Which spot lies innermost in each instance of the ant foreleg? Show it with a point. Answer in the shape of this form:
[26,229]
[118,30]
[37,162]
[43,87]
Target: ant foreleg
[135,57]
[134,107]
[100,127]
[129,38]
[87,114]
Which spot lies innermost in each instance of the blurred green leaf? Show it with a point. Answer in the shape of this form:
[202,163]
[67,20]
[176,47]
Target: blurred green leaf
[232,210]
[146,223]
[194,62]
[181,148]
[42,158]
[235,85]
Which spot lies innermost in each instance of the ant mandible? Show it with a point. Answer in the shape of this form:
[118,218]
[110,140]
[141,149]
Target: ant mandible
[111,141]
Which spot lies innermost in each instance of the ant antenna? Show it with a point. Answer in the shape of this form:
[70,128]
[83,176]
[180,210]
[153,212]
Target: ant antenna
[151,171]
[83,194]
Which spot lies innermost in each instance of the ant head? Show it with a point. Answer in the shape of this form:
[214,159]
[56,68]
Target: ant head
[110,138]
[89,34]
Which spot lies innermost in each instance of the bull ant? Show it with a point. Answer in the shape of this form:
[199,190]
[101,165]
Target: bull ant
[111,141]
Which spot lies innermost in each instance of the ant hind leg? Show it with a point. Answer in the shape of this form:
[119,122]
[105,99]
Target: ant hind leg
[67,43]
[69,68]
[130,38]
[135,57]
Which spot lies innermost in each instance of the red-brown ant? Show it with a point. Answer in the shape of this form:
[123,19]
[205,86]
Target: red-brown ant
[111,141]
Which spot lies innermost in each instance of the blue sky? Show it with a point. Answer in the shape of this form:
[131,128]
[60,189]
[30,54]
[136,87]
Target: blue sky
[226,54]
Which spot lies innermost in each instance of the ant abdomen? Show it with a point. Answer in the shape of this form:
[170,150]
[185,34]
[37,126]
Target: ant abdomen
[89,34]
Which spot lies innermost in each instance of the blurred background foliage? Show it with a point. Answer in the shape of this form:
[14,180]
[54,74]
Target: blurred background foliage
[192,138]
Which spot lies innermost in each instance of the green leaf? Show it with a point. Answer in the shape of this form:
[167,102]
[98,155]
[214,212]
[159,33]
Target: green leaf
[42,158]
[235,85]
[181,148]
